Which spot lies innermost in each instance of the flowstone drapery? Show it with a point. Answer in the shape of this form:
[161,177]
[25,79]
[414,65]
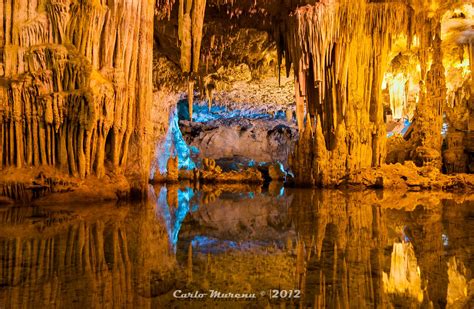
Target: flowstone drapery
[75,84]
[339,52]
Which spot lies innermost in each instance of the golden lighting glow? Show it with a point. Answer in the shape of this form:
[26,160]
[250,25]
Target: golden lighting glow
[403,91]
[398,87]
[457,287]
[404,277]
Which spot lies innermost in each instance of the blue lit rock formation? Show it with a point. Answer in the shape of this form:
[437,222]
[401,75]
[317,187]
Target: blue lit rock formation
[240,135]
[173,145]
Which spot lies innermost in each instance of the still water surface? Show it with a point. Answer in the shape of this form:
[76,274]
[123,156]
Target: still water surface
[293,248]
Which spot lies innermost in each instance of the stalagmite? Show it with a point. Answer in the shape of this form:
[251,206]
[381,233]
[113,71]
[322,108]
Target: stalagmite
[426,137]
[172,169]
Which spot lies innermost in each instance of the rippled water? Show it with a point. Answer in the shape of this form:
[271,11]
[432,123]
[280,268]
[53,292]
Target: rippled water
[278,247]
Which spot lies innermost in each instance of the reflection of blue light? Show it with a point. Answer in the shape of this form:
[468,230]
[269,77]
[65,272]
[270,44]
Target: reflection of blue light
[406,125]
[174,217]
[404,235]
[251,194]
[163,209]
[445,239]
[184,199]
[282,191]
[282,168]
[280,115]
[175,145]
[214,245]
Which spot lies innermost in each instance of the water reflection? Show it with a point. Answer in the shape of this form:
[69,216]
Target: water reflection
[340,249]
[83,256]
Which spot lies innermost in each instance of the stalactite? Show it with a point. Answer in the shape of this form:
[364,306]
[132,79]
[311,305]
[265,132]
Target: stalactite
[190,98]
[398,95]
[209,94]
[190,25]
[71,73]
[199,7]
[300,109]
[185,34]
[339,53]
[104,257]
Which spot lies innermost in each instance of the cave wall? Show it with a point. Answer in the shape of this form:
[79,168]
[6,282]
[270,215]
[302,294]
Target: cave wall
[76,77]
[340,53]
[75,85]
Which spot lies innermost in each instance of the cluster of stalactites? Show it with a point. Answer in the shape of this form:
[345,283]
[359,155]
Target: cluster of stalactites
[190,24]
[339,52]
[163,8]
[69,70]
[425,138]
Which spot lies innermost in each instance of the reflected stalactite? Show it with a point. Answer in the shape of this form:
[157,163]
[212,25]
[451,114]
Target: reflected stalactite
[189,267]
[116,260]
[344,237]
[404,277]
[348,264]
[342,249]
[457,287]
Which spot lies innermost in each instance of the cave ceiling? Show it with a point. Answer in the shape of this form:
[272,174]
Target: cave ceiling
[253,31]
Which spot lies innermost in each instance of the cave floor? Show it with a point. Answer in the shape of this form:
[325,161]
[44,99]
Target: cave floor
[277,246]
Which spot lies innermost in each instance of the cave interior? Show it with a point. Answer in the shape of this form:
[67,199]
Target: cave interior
[241,145]
[315,93]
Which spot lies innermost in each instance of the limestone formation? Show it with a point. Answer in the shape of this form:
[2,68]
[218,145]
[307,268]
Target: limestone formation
[212,173]
[77,80]
[339,52]
[75,85]
[426,137]
[172,169]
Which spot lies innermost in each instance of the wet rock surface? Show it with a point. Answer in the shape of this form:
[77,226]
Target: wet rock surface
[410,177]
[256,139]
